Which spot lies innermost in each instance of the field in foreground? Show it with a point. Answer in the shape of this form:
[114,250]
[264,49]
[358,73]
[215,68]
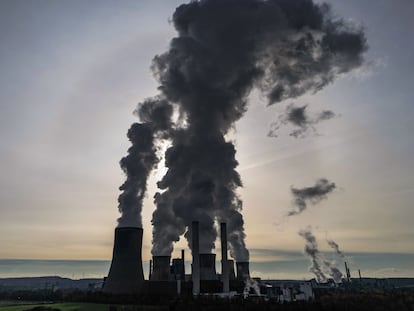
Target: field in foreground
[61,306]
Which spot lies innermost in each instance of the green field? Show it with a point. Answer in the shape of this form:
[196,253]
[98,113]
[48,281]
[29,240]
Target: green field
[62,306]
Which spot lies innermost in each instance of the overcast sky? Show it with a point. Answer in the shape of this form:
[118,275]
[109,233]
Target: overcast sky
[73,71]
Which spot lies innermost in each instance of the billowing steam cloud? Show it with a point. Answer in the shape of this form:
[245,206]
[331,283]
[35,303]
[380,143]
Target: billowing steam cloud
[321,267]
[298,117]
[136,165]
[313,194]
[224,49]
[141,158]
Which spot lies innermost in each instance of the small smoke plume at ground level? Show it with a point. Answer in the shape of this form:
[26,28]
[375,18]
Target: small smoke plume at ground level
[320,266]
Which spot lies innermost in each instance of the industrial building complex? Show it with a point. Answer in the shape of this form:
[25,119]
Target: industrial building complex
[168,277]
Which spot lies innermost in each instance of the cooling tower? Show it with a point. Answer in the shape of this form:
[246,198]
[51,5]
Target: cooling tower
[208,267]
[195,248]
[126,275]
[224,260]
[243,272]
[160,268]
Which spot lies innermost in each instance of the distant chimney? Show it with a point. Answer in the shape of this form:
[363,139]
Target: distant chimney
[195,247]
[150,269]
[224,261]
[125,274]
[348,274]
[161,268]
[243,272]
[183,259]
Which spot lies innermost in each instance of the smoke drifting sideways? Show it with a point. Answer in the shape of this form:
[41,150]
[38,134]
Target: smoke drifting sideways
[298,117]
[224,49]
[321,267]
[313,194]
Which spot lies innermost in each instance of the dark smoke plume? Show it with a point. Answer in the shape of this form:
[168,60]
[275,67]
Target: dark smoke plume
[311,249]
[136,165]
[141,159]
[224,49]
[299,118]
[313,194]
[321,267]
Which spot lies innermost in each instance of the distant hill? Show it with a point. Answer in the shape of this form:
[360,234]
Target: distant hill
[49,282]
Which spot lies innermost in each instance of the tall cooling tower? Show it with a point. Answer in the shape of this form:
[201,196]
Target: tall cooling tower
[243,271]
[208,267]
[126,275]
[161,268]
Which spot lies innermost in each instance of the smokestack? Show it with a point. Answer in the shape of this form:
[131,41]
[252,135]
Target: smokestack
[208,267]
[125,274]
[224,260]
[183,267]
[243,272]
[348,274]
[359,273]
[161,268]
[195,247]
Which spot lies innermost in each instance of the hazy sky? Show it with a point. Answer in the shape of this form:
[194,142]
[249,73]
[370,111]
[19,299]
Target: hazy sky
[73,71]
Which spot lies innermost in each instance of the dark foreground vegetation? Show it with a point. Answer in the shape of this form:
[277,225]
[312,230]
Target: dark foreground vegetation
[372,300]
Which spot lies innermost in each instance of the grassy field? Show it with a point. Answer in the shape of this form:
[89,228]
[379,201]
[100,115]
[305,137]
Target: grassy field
[61,306]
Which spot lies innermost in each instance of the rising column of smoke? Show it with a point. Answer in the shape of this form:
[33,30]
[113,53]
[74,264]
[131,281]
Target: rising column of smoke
[320,265]
[222,50]
[311,249]
[313,194]
[155,116]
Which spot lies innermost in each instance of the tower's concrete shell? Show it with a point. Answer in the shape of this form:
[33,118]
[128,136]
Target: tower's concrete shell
[125,274]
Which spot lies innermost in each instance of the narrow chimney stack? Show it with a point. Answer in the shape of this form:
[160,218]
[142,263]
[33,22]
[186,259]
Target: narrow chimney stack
[195,246]
[183,267]
[348,274]
[150,269]
[224,260]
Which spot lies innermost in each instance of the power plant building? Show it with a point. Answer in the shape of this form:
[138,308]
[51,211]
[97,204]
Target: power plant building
[168,276]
